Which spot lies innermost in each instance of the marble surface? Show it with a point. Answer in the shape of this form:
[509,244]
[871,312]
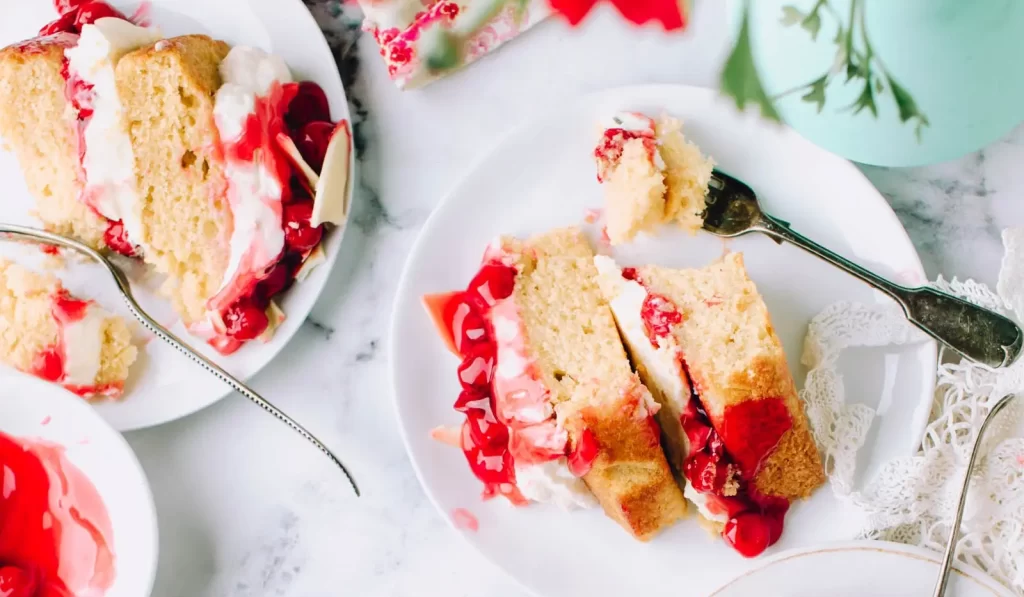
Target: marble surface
[247,509]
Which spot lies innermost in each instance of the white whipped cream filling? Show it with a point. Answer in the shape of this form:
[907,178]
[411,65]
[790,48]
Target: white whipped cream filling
[552,483]
[701,501]
[661,362]
[83,344]
[632,121]
[108,161]
[254,191]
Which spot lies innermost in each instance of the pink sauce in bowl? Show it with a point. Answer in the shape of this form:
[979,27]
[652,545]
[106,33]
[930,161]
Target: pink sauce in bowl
[56,538]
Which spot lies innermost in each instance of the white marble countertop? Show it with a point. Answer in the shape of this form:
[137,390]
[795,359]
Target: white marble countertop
[248,509]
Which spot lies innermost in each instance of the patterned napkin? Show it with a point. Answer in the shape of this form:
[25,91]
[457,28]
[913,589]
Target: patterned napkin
[396,25]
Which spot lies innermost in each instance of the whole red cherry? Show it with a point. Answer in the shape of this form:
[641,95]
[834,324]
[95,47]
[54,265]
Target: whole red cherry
[298,234]
[309,105]
[245,320]
[312,142]
[277,280]
[749,533]
[89,12]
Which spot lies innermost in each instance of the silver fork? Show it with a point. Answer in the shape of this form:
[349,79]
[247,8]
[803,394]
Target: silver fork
[979,334]
[42,237]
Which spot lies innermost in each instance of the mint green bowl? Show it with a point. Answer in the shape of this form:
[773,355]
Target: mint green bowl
[960,60]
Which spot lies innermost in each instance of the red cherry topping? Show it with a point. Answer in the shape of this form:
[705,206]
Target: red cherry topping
[245,320]
[583,454]
[63,24]
[17,582]
[659,315]
[706,472]
[312,141]
[65,6]
[486,432]
[492,464]
[472,400]
[495,282]
[309,105]
[89,12]
[298,234]
[68,309]
[629,273]
[49,364]
[476,369]
[461,325]
[749,533]
[277,281]
[697,434]
[752,429]
[116,237]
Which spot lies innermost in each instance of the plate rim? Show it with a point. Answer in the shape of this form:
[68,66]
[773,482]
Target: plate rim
[74,405]
[917,552]
[314,287]
[518,128]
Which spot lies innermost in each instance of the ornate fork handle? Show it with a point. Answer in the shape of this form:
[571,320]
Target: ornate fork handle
[39,236]
[976,333]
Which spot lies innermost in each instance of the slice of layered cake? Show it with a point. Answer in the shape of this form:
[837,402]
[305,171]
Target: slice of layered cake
[207,162]
[703,342]
[651,176]
[46,332]
[553,410]
[60,115]
[226,214]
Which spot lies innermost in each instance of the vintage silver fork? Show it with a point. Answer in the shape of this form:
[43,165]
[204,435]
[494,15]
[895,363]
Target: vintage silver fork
[23,233]
[976,333]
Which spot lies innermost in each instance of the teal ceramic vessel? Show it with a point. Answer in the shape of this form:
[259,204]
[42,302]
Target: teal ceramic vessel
[962,61]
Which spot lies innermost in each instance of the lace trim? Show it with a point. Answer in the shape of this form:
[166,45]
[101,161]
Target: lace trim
[912,500]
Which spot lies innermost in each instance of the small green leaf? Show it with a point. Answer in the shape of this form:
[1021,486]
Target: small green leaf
[865,100]
[879,88]
[816,94]
[739,79]
[791,15]
[812,23]
[856,67]
[905,103]
[840,37]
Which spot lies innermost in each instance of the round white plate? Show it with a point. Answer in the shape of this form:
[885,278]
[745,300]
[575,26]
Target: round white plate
[31,408]
[838,570]
[543,176]
[164,385]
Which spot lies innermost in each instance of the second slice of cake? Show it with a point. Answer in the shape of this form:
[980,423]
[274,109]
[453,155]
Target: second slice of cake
[548,392]
[703,342]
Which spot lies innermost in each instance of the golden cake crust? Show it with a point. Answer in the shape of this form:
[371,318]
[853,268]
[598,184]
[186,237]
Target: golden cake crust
[734,355]
[580,358]
[39,125]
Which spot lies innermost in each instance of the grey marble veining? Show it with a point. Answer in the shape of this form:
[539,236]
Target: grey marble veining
[246,509]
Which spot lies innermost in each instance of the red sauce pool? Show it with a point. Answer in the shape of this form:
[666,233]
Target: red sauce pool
[56,538]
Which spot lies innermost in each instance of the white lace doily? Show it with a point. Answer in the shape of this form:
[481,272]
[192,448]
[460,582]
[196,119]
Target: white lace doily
[912,500]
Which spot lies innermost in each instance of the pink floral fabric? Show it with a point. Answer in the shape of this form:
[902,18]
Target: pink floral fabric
[397,25]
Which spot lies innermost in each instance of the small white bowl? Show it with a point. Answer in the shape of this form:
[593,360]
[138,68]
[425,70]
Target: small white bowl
[32,408]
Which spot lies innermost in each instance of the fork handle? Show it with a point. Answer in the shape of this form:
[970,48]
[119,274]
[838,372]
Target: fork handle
[977,333]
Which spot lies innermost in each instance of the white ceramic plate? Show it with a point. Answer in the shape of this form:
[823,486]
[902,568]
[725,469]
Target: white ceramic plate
[543,176]
[164,385]
[838,570]
[31,408]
